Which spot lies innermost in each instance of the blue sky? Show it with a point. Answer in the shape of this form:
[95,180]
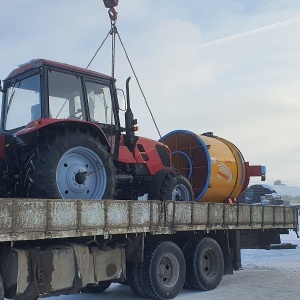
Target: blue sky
[245,89]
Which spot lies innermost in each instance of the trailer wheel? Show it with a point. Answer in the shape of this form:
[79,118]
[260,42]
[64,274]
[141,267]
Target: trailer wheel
[70,164]
[135,280]
[205,264]
[163,270]
[176,187]
[96,288]
[1,289]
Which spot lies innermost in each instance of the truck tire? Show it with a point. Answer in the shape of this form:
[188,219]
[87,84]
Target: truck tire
[70,164]
[135,279]
[163,270]
[1,289]
[96,288]
[176,187]
[185,251]
[205,264]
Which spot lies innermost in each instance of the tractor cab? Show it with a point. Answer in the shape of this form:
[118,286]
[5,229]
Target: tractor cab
[43,93]
[43,89]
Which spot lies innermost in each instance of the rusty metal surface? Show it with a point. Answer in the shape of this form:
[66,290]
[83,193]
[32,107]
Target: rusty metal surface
[30,219]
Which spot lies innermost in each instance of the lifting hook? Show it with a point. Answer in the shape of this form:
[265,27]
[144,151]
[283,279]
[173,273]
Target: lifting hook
[113,15]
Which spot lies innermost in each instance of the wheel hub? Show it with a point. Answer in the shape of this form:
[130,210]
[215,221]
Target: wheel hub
[208,264]
[168,271]
[180,193]
[81,177]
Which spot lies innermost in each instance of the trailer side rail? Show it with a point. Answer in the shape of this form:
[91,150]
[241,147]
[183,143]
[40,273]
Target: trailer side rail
[33,219]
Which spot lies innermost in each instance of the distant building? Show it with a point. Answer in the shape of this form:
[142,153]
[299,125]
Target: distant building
[274,194]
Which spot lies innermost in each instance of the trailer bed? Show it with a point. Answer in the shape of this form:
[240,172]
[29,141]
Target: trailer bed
[33,219]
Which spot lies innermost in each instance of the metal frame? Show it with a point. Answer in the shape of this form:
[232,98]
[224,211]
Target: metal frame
[35,219]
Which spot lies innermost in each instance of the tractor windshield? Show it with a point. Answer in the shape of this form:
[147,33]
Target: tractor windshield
[22,102]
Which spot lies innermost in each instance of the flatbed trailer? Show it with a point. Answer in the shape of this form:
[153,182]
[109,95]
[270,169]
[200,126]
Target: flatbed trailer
[53,247]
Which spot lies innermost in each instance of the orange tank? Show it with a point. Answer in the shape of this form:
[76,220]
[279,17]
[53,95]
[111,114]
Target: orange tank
[214,166]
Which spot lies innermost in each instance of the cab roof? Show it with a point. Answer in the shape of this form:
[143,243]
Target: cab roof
[37,63]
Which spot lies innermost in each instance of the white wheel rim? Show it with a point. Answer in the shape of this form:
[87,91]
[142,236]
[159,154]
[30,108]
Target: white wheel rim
[180,193]
[80,174]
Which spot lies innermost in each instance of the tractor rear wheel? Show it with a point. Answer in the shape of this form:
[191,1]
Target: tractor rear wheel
[70,164]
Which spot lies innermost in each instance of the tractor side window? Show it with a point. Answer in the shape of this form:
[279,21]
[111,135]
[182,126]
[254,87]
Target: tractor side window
[23,102]
[65,96]
[100,103]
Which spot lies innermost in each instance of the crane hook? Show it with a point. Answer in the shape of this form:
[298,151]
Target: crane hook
[113,15]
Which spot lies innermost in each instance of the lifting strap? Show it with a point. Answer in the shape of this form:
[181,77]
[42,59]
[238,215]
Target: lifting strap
[113,32]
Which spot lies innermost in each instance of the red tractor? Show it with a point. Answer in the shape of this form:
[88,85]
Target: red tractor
[61,138]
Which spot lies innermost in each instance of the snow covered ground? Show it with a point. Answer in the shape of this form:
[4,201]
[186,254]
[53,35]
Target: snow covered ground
[266,274]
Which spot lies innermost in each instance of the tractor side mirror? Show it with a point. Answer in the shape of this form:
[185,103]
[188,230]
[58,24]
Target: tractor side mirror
[121,100]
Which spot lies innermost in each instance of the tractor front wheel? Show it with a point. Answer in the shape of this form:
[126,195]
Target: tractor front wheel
[70,164]
[176,187]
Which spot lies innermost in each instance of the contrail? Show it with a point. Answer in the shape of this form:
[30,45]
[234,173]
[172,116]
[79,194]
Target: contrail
[251,32]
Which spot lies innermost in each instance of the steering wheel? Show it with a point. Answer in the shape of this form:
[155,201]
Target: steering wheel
[74,117]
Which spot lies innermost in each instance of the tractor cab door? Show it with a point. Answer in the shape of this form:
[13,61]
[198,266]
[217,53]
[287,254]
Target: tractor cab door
[72,96]
[66,99]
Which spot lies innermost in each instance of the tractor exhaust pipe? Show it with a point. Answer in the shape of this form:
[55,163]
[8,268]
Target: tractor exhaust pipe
[130,122]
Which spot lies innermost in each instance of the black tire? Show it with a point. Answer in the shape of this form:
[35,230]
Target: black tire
[185,251]
[96,288]
[176,187]
[205,264]
[1,289]
[134,274]
[163,270]
[70,164]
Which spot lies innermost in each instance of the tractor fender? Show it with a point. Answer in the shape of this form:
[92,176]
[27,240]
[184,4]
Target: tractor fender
[32,134]
[155,184]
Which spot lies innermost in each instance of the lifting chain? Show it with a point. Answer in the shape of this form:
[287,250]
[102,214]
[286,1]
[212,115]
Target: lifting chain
[113,33]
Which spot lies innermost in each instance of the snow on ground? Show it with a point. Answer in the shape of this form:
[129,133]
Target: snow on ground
[266,274]
[273,259]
